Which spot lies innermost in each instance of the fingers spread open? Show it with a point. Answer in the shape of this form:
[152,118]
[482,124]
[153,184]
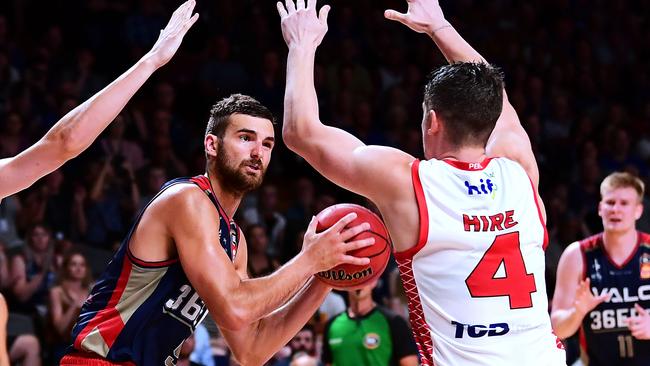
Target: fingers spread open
[291,7]
[323,13]
[300,4]
[358,244]
[281,10]
[354,231]
[349,259]
[191,22]
[395,15]
[342,223]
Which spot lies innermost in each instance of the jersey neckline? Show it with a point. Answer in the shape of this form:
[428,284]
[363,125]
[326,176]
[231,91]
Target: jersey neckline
[463,165]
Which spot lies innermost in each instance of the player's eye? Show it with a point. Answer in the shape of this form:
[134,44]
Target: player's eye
[244,138]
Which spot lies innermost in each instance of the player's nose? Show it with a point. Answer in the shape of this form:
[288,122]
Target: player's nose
[256,151]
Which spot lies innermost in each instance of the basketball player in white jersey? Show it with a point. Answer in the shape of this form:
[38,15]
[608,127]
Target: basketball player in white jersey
[468,231]
[80,127]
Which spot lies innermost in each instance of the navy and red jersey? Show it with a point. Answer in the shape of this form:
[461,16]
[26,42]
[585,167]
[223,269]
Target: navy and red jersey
[140,312]
[605,337]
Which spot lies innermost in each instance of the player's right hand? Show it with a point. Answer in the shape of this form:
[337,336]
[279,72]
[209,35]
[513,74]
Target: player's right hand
[171,37]
[585,300]
[301,26]
[329,248]
[422,16]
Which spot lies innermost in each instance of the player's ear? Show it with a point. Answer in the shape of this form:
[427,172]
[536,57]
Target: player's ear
[210,144]
[639,211]
[600,208]
[432,123]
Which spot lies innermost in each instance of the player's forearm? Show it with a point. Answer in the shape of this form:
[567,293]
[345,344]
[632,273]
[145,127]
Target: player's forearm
[300,100]
[452,45]
[81,126]
[285,322]
[275,330]
[256,298]
[566,322]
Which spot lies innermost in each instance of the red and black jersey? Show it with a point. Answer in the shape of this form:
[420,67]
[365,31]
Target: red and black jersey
[141,312]
[605,337]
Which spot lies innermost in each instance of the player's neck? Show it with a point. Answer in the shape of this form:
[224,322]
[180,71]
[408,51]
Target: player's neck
[468,154]
[227,199]
[619,245]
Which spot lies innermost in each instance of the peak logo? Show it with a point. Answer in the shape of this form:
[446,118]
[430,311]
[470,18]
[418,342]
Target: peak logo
[485,187]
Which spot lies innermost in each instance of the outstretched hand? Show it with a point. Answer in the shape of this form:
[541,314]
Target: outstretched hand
[301,26]
[585,300]
[423,16]
[329,248]
[171,37]
[639,325]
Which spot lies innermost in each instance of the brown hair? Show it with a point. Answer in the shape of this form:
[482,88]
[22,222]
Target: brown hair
[622,180]
[63,271]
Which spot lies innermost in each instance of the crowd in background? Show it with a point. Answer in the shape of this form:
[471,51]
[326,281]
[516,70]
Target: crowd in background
[576,72]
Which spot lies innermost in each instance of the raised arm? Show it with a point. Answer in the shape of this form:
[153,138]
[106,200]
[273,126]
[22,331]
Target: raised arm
[235,302]
[573,298]
[81,126]
[336,154]
[508,139]
[426,16]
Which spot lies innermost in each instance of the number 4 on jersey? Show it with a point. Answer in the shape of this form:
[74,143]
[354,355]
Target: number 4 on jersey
[517,283]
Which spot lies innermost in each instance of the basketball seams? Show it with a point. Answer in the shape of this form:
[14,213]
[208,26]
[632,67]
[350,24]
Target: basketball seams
[379,253]
[347,276]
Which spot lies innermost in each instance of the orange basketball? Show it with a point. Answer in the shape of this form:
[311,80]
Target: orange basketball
[347,276]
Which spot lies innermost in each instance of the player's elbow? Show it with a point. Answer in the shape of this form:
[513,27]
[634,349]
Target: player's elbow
[558,325]
[66,142]
[290,136]
[234,318]
[297,138]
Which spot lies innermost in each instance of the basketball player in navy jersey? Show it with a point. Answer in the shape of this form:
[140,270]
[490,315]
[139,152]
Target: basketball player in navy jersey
[78,129]
[185,255]
[603,282]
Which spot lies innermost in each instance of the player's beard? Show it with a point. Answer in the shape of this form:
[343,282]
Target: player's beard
[233,176]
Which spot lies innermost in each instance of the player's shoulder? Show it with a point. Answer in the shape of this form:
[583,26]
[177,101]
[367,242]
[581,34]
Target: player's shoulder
[182,197]
[644,238]
[590,243]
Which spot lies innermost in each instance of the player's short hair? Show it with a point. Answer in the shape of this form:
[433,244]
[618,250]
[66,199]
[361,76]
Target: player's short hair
[234,104]
[468,97]
[622,180]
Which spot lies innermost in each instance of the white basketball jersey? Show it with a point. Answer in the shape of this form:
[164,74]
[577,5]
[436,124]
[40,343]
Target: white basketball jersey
[475,280]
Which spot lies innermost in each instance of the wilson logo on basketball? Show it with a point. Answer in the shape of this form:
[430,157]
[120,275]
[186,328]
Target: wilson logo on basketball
[341,275]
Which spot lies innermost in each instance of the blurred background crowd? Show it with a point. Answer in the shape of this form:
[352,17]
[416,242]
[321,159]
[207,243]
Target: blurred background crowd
[576,71]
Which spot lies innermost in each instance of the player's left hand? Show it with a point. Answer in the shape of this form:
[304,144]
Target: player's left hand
[423,16]
[301,26]
[640,324]
[172,35]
